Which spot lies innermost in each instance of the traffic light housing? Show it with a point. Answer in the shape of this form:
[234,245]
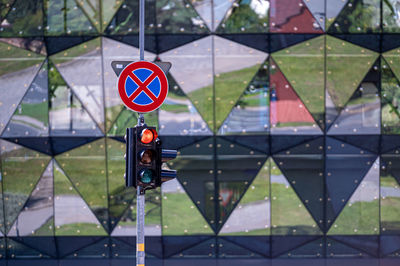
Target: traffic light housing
[144,158]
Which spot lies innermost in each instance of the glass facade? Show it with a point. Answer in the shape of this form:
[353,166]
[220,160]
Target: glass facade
[285,115]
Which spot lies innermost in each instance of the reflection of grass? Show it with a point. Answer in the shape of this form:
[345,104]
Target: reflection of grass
[390,120]
[10,66]
[46,229]
[175,108]
[37,111]
[84,229]
[76,51]
[128,118]
[181,216]
[390,207]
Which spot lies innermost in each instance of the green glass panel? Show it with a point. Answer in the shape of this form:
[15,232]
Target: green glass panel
[128,118]
[25,18]
[288,214]
[86,168]
[109,8]
[246,16]
[118,195]
[21,170]
[341,83]
[390,112]
[392,58]
[303,65]
[390,16]
[252,215]
[71,17]
[178,16]
[360,216]
[358,17]
[235,67]
[37,216]
[72,215]
[127,223]
[180,216]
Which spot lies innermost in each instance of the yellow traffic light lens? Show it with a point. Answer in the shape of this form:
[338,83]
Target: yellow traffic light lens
[147,136]
[146,156]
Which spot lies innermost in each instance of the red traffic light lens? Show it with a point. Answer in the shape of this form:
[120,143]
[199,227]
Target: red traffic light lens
[147,136]
[146,156]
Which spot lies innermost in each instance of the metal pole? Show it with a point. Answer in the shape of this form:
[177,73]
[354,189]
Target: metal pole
[140,201]
[140,254]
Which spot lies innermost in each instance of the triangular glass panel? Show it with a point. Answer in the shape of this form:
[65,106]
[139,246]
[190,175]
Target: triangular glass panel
[367,142]
[37,215]
[389,244]
[75,18]
[365,243]
[392,58]
[21,170]
[113,51]
[306,58]
[85,167]
[287,208]
[195,166]
[57,44]
[17,250]
[68,244]
[180,215]
[230,250]
[389,42]
[175,244]
[220,9]
[204,9]
[246,17]
[63,144]
[235,67]
[346,166]
[178,116]
[2,231]
[45,244]
[150,43]
[121,249]
[390,144]
[390,19]
[281,245]
[282,143]
[279,41]
[390,112]
[34,44]
[199,90]
[188,21]
[109,12]
[31,116]
[5,6]
[256,142]
[125,20]
[333,8]
[16,72]
[250,113]
[119,196]
[67,115]
[310,250]
[72,215]
[288,114]
[127,223]
[303,167]
[361,114]
[337,249]
[256,41]
[98,250]
[296,19]
[360,216]
[23,19]
[165,42]
[80,67]
[317,8]
[234,181]
[257,244]
[252,215]
[357,17]
[178,142]
[206,249]
[390,199]
[341,83]
[369,41]
[128,118]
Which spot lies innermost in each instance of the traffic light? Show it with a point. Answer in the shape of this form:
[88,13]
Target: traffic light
[144,158]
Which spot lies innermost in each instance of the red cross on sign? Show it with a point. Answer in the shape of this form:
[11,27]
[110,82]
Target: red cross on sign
[142,86]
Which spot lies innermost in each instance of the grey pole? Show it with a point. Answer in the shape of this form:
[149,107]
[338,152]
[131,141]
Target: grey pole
[140,203]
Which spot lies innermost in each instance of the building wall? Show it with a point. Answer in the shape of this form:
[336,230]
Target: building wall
[285,115]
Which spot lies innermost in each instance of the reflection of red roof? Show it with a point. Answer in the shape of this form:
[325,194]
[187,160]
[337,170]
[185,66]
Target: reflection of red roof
[288,107]
[292,16]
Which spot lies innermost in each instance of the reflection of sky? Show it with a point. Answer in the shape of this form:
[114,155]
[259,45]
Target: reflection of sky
[260,7]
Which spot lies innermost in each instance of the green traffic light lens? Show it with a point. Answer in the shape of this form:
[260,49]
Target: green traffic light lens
[146,176]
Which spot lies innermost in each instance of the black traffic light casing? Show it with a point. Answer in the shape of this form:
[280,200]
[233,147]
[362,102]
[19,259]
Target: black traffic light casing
[144,159]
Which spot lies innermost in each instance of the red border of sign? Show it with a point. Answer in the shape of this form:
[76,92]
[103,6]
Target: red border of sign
[163,88]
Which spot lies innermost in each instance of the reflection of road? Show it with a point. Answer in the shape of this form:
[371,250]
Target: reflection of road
[25,125]
[72,209]
[127,230]
[182,123]
[251,119]
[248,217]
